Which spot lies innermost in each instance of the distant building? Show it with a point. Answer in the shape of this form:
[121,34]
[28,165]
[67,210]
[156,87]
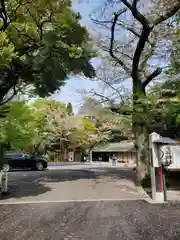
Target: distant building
[124,151]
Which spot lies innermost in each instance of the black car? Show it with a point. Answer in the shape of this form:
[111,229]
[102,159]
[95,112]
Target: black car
[19,160]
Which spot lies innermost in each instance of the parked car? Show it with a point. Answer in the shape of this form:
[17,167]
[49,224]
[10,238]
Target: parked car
[20,160]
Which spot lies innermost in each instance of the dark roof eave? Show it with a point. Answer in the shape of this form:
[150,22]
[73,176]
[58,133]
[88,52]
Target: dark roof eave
[108,151]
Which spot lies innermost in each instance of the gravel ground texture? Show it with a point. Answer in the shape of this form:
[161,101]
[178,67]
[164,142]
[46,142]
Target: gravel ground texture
[112,220]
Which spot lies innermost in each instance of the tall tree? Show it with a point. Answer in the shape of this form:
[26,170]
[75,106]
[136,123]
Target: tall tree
[105,124]
[61,126]
[43,131]
[145,35]
[38,46]
[17,126]
[166,117]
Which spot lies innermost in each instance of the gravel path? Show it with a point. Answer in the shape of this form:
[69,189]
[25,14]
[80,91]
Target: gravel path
[113,220]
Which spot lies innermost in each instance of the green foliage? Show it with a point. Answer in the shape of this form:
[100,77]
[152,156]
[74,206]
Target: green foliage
[160,111]
[7,50]
[16,128]
[165,109]
[85,136]
[46,124]
[24,125]
[42,104]
[110,124]
[43,133]
[43,43]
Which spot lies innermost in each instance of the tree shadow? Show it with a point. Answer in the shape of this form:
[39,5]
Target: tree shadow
[29,184]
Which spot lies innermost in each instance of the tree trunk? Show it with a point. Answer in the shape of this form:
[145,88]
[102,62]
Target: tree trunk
[10,76]
[140,129]
[141,143]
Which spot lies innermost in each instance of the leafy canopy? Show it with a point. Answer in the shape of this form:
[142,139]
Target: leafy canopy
[43,43]
[17,126]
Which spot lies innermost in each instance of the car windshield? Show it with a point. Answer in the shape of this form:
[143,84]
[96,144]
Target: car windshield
[15,154]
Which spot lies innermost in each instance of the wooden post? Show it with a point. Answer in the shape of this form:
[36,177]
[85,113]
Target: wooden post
[4,182]
[164,184]
[90,157]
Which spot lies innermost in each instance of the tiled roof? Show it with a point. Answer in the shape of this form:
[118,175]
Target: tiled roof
[115,147]
[166,140]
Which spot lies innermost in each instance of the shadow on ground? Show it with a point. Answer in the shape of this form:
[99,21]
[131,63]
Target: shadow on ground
[24,184]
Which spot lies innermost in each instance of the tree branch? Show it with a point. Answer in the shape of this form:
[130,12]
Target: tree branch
[153,75]
[42,24]
[124,54]
[138,52]
[3,16]
[143,37]
[134,4]
[169,14]
[138,16]
[106,48]
[127,70]
[105,98]
[114,89]
[148,55]
[129,29]
[121,24]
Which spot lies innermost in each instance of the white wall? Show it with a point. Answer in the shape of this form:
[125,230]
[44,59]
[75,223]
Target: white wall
[175,157]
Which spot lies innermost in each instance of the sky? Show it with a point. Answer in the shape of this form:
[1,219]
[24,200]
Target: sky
[76,84]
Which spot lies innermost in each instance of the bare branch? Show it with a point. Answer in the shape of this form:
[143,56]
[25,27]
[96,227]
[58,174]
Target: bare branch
[138,16]
[169,14]
[143,38]
[116,90]
[124,54]
[101,22]
[103,97]
[106,48]
[153,75]
[129,29]
[121,24]
[127,70]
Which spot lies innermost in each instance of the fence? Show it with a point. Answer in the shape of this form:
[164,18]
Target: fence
[58,156]
[63,156]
